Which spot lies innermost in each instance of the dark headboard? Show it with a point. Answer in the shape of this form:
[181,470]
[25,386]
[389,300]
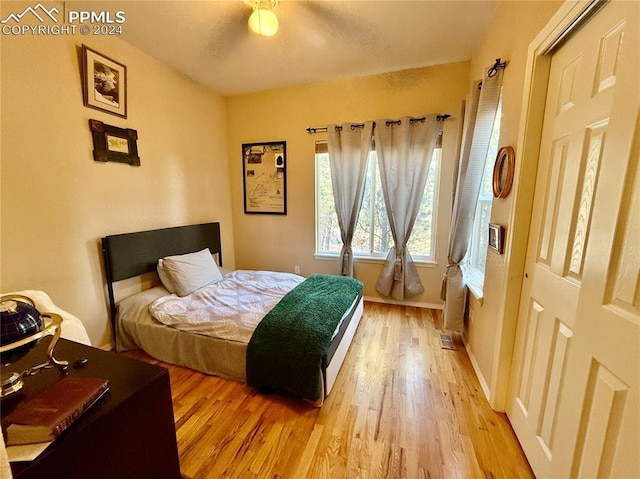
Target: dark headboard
[132,254]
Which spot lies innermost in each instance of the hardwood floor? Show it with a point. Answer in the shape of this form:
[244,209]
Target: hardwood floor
[401,407]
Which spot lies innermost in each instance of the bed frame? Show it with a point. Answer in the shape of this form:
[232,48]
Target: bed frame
[134,254]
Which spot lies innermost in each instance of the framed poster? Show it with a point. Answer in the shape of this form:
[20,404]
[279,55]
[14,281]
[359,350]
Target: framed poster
[264,170]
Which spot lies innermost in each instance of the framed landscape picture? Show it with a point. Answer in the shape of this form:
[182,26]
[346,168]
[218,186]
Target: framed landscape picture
[264,170]
[104,83]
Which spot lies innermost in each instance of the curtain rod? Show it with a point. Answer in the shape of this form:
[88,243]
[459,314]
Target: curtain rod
[491,72]
[494,69]
[442,117]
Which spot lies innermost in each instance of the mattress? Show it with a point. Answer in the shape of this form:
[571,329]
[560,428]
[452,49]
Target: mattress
[220,356]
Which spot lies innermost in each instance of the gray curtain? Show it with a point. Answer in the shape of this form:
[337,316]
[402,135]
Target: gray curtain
[349,147]
[404,154]
[481,108]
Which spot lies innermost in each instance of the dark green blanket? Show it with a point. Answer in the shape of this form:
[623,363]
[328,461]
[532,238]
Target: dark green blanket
[286,350]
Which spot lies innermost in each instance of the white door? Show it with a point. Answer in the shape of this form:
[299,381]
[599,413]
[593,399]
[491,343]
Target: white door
[574,390]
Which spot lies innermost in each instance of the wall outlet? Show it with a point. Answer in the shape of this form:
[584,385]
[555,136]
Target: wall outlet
[296,269]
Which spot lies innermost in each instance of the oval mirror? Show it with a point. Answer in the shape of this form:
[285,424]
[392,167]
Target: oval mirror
[503,171]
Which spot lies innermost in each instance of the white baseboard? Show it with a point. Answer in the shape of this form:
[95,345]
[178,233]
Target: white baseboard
[483,383]
[415,304]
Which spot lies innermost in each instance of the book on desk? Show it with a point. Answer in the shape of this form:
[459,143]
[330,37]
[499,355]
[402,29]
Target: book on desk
[46,415]
[128,434]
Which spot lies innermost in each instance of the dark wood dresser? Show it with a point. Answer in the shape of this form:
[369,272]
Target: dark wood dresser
[128,433]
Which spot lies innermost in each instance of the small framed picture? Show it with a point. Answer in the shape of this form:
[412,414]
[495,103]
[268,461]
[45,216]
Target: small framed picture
[104,83]
[496,237]
[111,143]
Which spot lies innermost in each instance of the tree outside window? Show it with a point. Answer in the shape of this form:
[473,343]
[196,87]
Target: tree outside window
[372,237]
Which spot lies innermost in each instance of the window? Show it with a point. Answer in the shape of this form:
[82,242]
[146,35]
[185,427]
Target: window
[476,259]
[372,237]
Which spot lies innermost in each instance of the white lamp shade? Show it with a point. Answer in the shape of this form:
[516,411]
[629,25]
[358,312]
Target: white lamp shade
[263,22]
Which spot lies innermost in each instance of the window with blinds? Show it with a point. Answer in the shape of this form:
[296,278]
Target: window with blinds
[476,258]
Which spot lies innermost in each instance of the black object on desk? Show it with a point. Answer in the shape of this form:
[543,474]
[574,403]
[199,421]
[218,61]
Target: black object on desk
[129,433]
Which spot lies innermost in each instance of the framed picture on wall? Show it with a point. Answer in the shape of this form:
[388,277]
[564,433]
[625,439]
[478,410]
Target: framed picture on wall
[111,143]
[496,237]
[264,171]
[104,83]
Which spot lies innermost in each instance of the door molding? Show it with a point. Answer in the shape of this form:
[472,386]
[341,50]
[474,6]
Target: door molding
[569,18]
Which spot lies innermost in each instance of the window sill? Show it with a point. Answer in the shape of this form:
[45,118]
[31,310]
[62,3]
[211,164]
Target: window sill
[474,282]
[420,263]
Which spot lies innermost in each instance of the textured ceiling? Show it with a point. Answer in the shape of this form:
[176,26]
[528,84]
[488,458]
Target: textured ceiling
[317,41]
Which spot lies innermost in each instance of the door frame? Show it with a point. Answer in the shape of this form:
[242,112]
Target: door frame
[568,19]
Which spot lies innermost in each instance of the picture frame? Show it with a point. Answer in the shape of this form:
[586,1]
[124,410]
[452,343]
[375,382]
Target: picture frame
[264,172]
[111,143]
[496,238]
[104,83]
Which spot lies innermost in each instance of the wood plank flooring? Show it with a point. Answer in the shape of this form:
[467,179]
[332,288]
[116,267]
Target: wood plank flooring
[402,407]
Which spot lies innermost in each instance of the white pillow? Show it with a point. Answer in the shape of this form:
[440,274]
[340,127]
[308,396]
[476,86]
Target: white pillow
[192,271]
[166,282]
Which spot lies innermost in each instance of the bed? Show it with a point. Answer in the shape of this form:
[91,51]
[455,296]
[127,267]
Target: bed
[135,254]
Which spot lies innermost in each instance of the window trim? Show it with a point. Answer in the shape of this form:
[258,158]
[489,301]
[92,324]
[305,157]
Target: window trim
[363,258]
[473,281]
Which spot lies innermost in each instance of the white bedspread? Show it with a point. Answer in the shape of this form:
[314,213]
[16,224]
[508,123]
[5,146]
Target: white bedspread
[229,309]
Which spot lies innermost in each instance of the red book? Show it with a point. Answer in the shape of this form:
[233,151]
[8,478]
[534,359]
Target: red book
[45,416]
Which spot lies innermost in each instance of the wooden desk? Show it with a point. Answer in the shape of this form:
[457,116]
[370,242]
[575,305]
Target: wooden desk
[129,433]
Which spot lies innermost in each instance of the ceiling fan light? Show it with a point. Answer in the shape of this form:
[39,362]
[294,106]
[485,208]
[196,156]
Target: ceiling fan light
[263,22]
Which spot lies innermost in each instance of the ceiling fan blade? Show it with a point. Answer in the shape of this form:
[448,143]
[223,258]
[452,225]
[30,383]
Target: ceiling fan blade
[229,31]
[335,18]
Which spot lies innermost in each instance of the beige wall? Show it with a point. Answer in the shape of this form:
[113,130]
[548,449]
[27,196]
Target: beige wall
[56,202]
[281,242]
[490,331]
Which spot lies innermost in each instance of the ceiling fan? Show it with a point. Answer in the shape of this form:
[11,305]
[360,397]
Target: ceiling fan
[263,20]
[309,14]
[309,19]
